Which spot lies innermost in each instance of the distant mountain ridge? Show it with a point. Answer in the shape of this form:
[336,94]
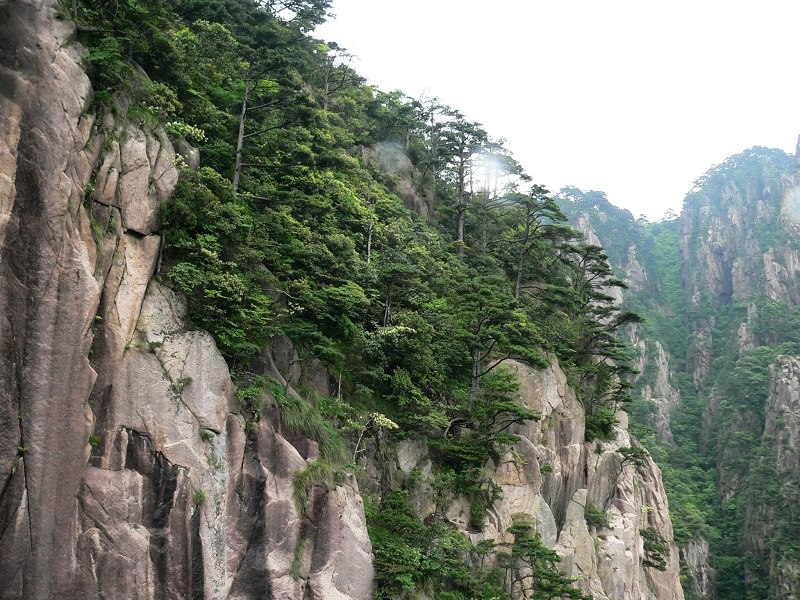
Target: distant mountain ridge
[718,287]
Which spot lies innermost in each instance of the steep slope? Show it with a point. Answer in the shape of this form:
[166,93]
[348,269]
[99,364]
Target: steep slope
[740,259]
[771,524]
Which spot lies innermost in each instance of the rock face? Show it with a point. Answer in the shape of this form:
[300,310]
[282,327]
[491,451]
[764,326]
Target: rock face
[393,160]
[768,535]
[653,360]
[739,266]
[126,468]
[555,479]
[738,256]
[703,578]
[48,296]
[635,260]
[727,256]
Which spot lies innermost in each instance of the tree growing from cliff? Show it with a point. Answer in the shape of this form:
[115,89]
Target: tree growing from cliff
[492,327]
[532,568]
[535,227]
[599,358]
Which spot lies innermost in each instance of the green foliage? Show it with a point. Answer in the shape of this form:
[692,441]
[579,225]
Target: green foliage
[256,392]
[413,555]
[636,456]
[616,227]
[315,245]
[532,568]
[215,262]
[415,317]
[297,559]
[655,549]
[595,517]
[477,436]
[600,423]
[300,415]
[377,422]
[740,170]
[318,473]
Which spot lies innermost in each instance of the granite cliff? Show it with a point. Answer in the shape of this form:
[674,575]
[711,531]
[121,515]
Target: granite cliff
[127,471]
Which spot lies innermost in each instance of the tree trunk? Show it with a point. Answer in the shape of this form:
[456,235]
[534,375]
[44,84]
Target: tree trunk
[237,169]
[461,204]
[371,229]
[387,313]
[328,69]
[460,231]
[518,283]
[369,241]
[475,385]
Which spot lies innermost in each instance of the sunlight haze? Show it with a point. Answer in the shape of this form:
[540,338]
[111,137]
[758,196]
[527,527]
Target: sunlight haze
[634,99]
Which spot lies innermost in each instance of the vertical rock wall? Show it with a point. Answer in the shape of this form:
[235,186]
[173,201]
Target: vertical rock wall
[48,297]
[703,578]
[736,247]
[771,527]
[739,256]
[653,360]
[126,468]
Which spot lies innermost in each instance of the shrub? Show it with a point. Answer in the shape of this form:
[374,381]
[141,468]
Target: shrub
[595,517]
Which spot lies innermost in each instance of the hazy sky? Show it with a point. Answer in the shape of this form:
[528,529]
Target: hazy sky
[631,97]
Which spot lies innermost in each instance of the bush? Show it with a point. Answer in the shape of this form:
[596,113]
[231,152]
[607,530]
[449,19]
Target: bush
[655,549]
[595,517]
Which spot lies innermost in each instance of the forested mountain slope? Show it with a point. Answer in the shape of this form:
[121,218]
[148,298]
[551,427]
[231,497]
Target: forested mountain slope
[717,397]
[270,332]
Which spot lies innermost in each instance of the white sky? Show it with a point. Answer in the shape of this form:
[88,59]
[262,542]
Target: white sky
[631,97]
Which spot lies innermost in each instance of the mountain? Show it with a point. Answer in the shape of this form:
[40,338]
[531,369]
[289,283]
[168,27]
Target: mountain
[269,332]
[718,290]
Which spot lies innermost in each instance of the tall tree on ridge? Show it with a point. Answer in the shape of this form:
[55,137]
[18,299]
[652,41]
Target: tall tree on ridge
[462,140]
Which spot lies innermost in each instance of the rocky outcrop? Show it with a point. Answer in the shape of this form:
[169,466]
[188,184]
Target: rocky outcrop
[656,388]
[770,532]
[394,160]
[564,485]
[702,578]
[701,352]
[737,249]
[584,225]
[635,274]
[739,271]
[735,241]
[127,469]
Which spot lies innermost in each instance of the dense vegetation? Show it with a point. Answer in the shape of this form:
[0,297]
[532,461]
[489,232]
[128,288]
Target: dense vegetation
[391,239]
